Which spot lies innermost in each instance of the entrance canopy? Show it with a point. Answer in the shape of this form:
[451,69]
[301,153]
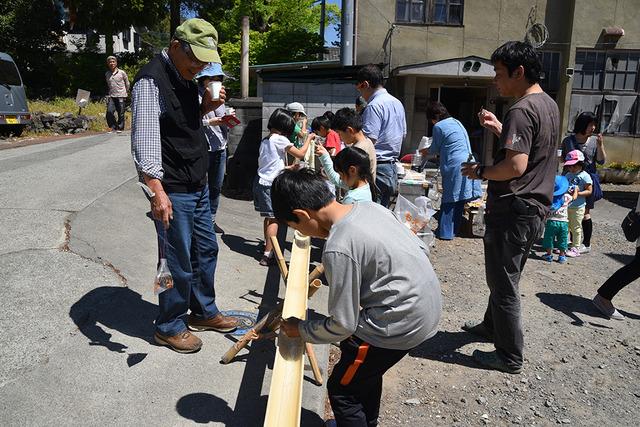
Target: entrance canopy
[472,67]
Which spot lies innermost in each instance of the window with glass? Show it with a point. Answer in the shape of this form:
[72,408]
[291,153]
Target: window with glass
[621,71]
[440,12]
[9,73]
[608,84]
[550,72]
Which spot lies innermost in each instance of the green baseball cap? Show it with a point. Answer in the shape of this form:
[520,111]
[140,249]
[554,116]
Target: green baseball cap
[202,37]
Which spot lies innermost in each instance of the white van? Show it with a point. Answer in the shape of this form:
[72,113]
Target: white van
[14,112]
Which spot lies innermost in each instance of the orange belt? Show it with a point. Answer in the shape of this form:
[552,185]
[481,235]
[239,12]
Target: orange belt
[353,368]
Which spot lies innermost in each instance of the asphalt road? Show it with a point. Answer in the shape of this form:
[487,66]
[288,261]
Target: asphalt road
[77,259]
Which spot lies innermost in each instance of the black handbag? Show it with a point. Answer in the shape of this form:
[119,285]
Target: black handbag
[631,225]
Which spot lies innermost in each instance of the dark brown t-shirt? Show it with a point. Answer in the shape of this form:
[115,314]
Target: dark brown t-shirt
[531,126]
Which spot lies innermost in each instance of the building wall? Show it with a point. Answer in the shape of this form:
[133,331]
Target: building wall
[124,41]
[487,24]
[599,15]
[315,97]
[243,145]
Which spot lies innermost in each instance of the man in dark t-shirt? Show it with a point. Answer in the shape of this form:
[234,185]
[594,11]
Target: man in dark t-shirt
[519,194]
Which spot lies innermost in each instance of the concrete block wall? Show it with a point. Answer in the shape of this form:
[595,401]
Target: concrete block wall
[315,97]
[622,149]
[247,110]
[244,143]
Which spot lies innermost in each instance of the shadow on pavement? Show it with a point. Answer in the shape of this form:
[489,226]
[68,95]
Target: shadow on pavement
[118,308]
[629,315]
[626,199]
[204,408]
[443,348]
[242,246]
[572,305]
[621,258]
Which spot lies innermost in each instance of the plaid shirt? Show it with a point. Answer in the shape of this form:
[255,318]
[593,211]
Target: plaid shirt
[147,104]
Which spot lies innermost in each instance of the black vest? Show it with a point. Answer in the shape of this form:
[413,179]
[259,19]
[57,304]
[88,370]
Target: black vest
[185,156]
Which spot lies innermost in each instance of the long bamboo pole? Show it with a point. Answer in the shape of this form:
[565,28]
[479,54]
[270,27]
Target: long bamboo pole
[285,394]
[311,355]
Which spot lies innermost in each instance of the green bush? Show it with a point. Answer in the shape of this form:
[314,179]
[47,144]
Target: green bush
[626,166]
[68,105]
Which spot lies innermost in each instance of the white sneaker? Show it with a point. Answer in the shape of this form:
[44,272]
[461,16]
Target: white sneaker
[606,307]
[573,253]
[584,249]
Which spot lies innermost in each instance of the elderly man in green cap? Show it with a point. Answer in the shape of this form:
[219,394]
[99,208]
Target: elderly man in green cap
[170,152]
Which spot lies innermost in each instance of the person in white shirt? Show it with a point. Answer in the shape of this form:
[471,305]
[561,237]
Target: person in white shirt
[118,88]
[271,162]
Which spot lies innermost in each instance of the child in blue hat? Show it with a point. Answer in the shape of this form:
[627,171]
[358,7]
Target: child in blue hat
[556,229]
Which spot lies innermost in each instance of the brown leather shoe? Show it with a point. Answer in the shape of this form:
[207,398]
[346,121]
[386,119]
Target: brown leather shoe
[218,323]
[184,342]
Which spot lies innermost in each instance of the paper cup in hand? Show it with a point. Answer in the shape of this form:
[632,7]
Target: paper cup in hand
[214,88]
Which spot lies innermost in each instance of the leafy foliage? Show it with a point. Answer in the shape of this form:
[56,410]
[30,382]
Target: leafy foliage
[30,32]
[109,17]
[626,166]
[280,30]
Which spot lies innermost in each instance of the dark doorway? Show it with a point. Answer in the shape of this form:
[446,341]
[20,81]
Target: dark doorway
[464,103]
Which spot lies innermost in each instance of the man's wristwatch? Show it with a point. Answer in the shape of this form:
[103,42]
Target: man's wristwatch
[480,171]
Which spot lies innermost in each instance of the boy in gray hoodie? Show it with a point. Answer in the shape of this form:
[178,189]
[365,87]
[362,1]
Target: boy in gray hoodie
[384,297]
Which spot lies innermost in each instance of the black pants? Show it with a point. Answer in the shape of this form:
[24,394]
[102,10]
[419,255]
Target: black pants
[355,388]
[507,241]
[621,278]
[115,105]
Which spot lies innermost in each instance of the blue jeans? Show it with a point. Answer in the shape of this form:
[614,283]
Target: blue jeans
[450,219]
[386,182]
[217,166]
[191,251]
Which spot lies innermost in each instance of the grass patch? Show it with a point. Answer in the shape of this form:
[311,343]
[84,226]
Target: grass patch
[68,105]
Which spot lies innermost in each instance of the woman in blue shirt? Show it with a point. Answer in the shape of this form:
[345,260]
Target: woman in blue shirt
[451,143]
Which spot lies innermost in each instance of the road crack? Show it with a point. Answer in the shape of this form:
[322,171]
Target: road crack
[64,247]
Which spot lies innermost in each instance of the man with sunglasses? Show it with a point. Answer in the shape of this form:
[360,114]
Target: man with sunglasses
[170,152]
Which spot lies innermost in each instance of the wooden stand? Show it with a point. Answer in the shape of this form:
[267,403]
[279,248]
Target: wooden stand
[272,319]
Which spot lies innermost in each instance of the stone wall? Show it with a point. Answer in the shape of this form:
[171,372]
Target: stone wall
[59,123]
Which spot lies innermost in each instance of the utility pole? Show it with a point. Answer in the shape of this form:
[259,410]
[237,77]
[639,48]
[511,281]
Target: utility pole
[346,37]
[322,20]
[244,59]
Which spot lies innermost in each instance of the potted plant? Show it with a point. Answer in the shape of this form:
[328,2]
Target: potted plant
[619,173]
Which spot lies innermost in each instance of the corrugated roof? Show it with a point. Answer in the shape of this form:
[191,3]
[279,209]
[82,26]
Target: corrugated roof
[295,65]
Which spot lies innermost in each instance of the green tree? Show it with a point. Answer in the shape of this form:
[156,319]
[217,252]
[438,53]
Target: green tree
[108,17]
[280,30]
[30,32]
